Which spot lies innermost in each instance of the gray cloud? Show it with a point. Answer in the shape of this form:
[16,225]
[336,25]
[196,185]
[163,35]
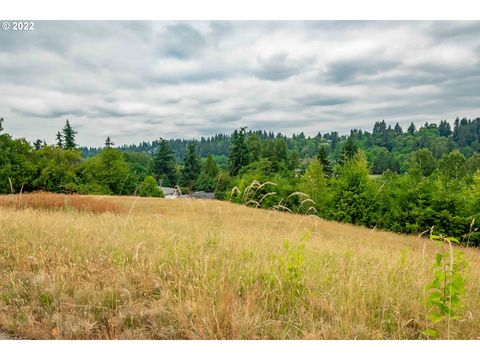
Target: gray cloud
[347,71]
[319,100]
[278,67]
[139,80]
[180,41]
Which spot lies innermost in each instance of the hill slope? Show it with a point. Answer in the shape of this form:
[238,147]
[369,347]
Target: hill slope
[194,269]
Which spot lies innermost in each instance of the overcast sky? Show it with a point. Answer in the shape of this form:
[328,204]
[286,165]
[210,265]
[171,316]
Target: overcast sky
[137,81]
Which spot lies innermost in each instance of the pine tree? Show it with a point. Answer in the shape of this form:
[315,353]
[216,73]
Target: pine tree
[164,164]
[69,136]
[444,128]
[334,140]
[239,154]
[349,150]
[59,139]
[206,180]
[210,167]
[353,200]
[108,142]
[192,166]
[411,129]
[38,144]
[398,129]
[254,147]
[1,124]
[322,157]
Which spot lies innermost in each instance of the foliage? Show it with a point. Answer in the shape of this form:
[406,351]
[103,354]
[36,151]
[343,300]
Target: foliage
[68,137]
[353,199]
[349,150]
[58,169]
[407,181]
[384,161]
[422,163]
[322,156]
[149,187]
[222,184]
[239,154]
[447,288]
[109,142]
[314,184]
[164,164]
[191,167]
[17,170]
[109,171]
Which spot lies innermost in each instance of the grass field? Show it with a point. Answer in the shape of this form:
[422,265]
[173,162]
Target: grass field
[194,269]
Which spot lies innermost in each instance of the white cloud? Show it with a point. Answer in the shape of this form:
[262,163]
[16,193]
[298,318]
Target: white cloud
[139,81]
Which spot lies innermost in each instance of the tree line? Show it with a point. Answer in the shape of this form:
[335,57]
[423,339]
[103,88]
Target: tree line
[402,180]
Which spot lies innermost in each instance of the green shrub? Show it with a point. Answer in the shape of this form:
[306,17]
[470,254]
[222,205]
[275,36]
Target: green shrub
[150,188]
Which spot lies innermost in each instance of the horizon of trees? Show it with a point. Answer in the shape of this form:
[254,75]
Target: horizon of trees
[401,180]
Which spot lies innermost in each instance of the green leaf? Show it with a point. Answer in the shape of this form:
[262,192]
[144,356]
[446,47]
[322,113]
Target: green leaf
[452,239]
[438,259]
[435,317]
[431,333]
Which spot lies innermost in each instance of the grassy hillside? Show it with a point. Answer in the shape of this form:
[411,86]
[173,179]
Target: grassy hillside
[193,269]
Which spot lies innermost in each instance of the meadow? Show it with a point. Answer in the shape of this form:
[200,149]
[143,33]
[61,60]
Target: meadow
[106,267]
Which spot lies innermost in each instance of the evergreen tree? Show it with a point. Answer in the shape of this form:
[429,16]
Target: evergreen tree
[453,166]
[191,166]
[164,164]
[1,124]
[353,198]
[422,163]
[210,167]
[69,136]
[444,128]
[59,139]
[206,180]
[276,151]
[108,142]
[38,144]
[239,154]
[412,129]
[398,129]
[379,128]
[333,140]
[349,150]
[322,157]
[254,147]
[456,128]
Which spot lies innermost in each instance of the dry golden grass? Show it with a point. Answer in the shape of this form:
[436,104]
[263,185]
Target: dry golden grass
[193,269]
[49,201]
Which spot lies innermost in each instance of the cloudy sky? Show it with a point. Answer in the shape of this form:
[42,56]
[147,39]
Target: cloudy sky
[137,81]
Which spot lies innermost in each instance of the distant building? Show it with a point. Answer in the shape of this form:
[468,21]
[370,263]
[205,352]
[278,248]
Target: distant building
[171,193]
[202,195]
[174,193]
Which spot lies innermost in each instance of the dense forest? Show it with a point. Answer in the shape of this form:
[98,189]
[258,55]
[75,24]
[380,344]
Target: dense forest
[404,180]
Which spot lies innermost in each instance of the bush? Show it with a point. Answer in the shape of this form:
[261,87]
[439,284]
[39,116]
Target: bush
[150,188]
